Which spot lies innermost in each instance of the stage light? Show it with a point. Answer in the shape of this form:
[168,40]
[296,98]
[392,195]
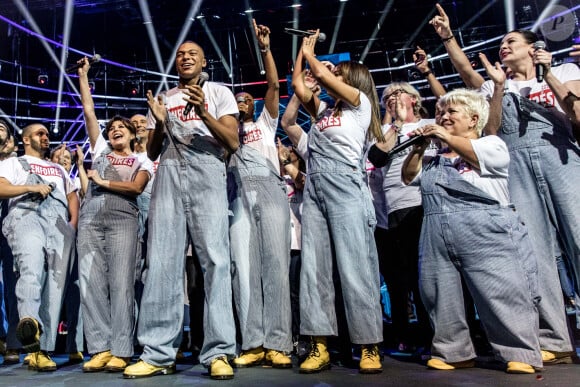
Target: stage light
[42,79]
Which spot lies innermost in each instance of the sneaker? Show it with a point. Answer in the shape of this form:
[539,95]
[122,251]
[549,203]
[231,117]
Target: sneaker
[318,359]
[40,361]
[142,369]
[370,360]
[516,367]
[278,359]
[76,357]
[437,364]
[220,369]
[250,358]
[28,333]
[12,356]
[551,358]
[98,362]
[117,364]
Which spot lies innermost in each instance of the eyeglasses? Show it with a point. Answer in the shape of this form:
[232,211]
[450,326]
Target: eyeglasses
[394,93]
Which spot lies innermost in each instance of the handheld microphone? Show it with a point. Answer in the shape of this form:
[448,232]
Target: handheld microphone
[540,45]
[404,145]
[203,77]
[72,68]
[242,114]
[292,31]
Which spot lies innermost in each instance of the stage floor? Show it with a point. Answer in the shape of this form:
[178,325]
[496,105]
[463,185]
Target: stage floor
[398,371]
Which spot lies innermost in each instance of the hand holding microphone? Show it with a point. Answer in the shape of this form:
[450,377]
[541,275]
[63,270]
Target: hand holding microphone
[203,77]
[72,68]
[241,99]
[292,31]
[541,56]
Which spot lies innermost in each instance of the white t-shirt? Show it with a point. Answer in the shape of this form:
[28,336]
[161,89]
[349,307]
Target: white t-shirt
[261,135]
[219,102]
[155,164]
[535,91]
[347,131]
[302,147]
[295,203]
[398,195]
[126,166]
[493,157]
[12,170]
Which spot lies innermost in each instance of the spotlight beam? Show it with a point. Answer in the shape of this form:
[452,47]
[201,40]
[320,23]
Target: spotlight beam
[216,46]
[543,15]
[148,22]
[508,6]
[68,16]
[384,13]
[193,11]
[295,19]
[254,40]
[337,27]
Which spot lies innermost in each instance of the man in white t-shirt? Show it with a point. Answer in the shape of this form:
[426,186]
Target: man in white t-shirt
[40,230]
[188,202]
[260,228]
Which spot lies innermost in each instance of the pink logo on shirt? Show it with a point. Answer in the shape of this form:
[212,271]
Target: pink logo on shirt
[178,112]
[543,97]
[252,136]
[126,161]
[45,171]
[328,122]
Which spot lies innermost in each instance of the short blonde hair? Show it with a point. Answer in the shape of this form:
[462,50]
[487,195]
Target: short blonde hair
[409,89]
[472,101]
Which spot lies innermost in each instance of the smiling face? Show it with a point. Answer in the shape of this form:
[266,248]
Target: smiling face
[456,121]
[515,48]
[120,135]
[189,61]
[139,121]
[65,159]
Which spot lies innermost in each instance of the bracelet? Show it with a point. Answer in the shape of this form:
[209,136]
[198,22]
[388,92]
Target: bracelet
[445,40]
[265,50]
[286,162]
[426,73]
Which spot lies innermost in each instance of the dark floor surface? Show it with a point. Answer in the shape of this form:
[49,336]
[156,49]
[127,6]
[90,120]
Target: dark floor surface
[398,371]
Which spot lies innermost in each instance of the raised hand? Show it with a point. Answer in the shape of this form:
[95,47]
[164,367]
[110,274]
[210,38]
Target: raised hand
[157,106]
[441,23]
[420,59]
[494,72]
[262,34]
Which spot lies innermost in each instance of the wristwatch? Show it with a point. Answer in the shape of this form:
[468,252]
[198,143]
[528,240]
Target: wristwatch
[286,162]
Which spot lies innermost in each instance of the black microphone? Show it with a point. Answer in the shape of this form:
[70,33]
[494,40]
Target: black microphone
[292,31]
[540,45]
[95,59]
[242,114]
[404,145]
[203,76]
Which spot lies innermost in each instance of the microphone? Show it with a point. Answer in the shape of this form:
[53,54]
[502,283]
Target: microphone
[242,114]
[203,77]
[95,59]
[292,31]
[404,145]
[540,45]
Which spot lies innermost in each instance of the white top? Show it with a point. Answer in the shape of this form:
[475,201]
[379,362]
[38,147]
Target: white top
[126,166]
[155,164]
[302,147]
[295,203]
[347,131]
[261,135]
[397,194]
[12,170]
[538,92]
[493,157]
[219,102]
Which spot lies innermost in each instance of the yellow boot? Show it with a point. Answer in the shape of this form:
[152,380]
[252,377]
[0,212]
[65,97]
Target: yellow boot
[220,369]
[370,360]
[28,333]
[40,361]
[98,362]
[318,359]
[142,369]
[250,358]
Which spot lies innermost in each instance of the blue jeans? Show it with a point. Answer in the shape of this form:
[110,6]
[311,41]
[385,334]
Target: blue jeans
[189,198]
[260,251]
[338,222]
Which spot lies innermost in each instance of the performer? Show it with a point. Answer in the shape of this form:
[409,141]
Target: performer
[40,230]
[189,198]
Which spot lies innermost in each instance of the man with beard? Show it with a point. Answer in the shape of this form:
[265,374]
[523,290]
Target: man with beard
[40,230]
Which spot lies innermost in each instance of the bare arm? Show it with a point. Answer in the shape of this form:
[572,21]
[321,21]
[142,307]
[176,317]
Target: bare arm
[413,163]
[91,122]
[9,190]
[497,75]
[130,188]
[288,120]
[458,58]
[421,63]
[306,97]
[82,173]
[155,140]
[73,209]
[272,97]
